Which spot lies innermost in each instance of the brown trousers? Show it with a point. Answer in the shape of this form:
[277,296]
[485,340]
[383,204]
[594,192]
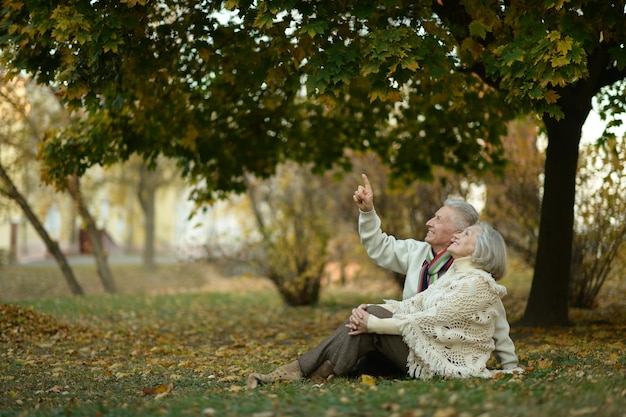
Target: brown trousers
[344,351]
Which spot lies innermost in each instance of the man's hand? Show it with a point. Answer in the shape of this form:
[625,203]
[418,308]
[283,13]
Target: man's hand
[358,320]
[364,196]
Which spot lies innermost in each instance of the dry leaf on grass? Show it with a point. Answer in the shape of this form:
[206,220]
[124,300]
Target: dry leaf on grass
[368,380]
[157,390]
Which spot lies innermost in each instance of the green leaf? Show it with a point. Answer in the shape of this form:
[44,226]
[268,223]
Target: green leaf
[560,61]
[313,29]
[410,63]
[369,68]
[264,21]
[563,46]
[512,55]
[83,37]
[476,28]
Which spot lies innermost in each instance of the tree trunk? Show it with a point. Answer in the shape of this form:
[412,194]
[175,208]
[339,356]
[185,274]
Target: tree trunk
[52,246]
[548,300]
[102,266]
[146,194]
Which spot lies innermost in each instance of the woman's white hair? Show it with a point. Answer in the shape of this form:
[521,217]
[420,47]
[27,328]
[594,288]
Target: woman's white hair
[490,251]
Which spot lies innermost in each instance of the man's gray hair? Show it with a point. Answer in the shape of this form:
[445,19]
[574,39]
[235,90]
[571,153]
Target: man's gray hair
[466,214]
[490,251]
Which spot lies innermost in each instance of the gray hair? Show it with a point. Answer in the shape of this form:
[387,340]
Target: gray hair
[466,214]
[490,251]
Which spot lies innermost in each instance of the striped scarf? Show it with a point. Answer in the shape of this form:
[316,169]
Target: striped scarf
[433,266]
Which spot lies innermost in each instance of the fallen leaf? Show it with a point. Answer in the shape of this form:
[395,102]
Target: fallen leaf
[158,390]
[584,411]
[394,407]
[263,414]
[368,380]
[543,363]
[446,412]
[161,395]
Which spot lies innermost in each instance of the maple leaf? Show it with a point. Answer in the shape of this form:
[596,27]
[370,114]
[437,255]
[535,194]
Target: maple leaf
[368,380]
[157,390]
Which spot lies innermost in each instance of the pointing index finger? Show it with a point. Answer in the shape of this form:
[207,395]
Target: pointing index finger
[366,182]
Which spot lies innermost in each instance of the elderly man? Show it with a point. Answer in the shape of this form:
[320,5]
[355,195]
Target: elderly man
[423,261]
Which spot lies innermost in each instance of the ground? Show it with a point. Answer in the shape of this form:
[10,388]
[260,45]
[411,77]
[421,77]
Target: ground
[180,340]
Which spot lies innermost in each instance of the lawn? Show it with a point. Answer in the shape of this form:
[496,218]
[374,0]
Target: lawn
[181,340]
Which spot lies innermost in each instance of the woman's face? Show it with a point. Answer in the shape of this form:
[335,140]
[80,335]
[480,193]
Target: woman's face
[463,243]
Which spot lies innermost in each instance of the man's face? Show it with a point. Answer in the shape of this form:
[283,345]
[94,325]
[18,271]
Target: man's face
[440,231]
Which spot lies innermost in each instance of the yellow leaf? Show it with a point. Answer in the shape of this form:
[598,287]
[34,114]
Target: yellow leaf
[56,389]
[542,363]
[394,96]
[15,5]
[231,5]
[564,45]
[158,390]
[185,364]
[411,64]
[552,96]
[369,68]
[189,140]
[368,380]
[446,412]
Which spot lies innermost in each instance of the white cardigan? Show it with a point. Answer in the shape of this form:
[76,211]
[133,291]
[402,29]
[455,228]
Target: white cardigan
[449,328]
[406,256]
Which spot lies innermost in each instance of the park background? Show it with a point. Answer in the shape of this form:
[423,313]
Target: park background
[176,179]
[180,334]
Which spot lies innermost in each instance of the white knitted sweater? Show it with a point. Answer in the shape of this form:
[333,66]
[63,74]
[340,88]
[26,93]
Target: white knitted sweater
[449,328]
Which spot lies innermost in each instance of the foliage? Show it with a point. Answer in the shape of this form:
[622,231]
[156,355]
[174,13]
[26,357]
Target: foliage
[168,80]
[225,112]
[30,113]
[513,205]
[293,228]
[189,353]
[18,136]
[513,201]
[306,223]
[601,212]
[27,112]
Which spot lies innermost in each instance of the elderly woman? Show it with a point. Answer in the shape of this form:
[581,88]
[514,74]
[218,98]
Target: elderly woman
[447,330]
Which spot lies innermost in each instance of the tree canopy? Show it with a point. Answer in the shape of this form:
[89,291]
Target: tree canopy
[225,92]
[223,88]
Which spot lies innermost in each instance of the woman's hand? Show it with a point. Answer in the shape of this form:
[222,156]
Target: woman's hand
[358,320]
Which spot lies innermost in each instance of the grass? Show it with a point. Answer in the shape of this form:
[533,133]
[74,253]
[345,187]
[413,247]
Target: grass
[181,340]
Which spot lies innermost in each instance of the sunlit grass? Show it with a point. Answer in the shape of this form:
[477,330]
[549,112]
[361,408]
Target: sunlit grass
[180,350]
